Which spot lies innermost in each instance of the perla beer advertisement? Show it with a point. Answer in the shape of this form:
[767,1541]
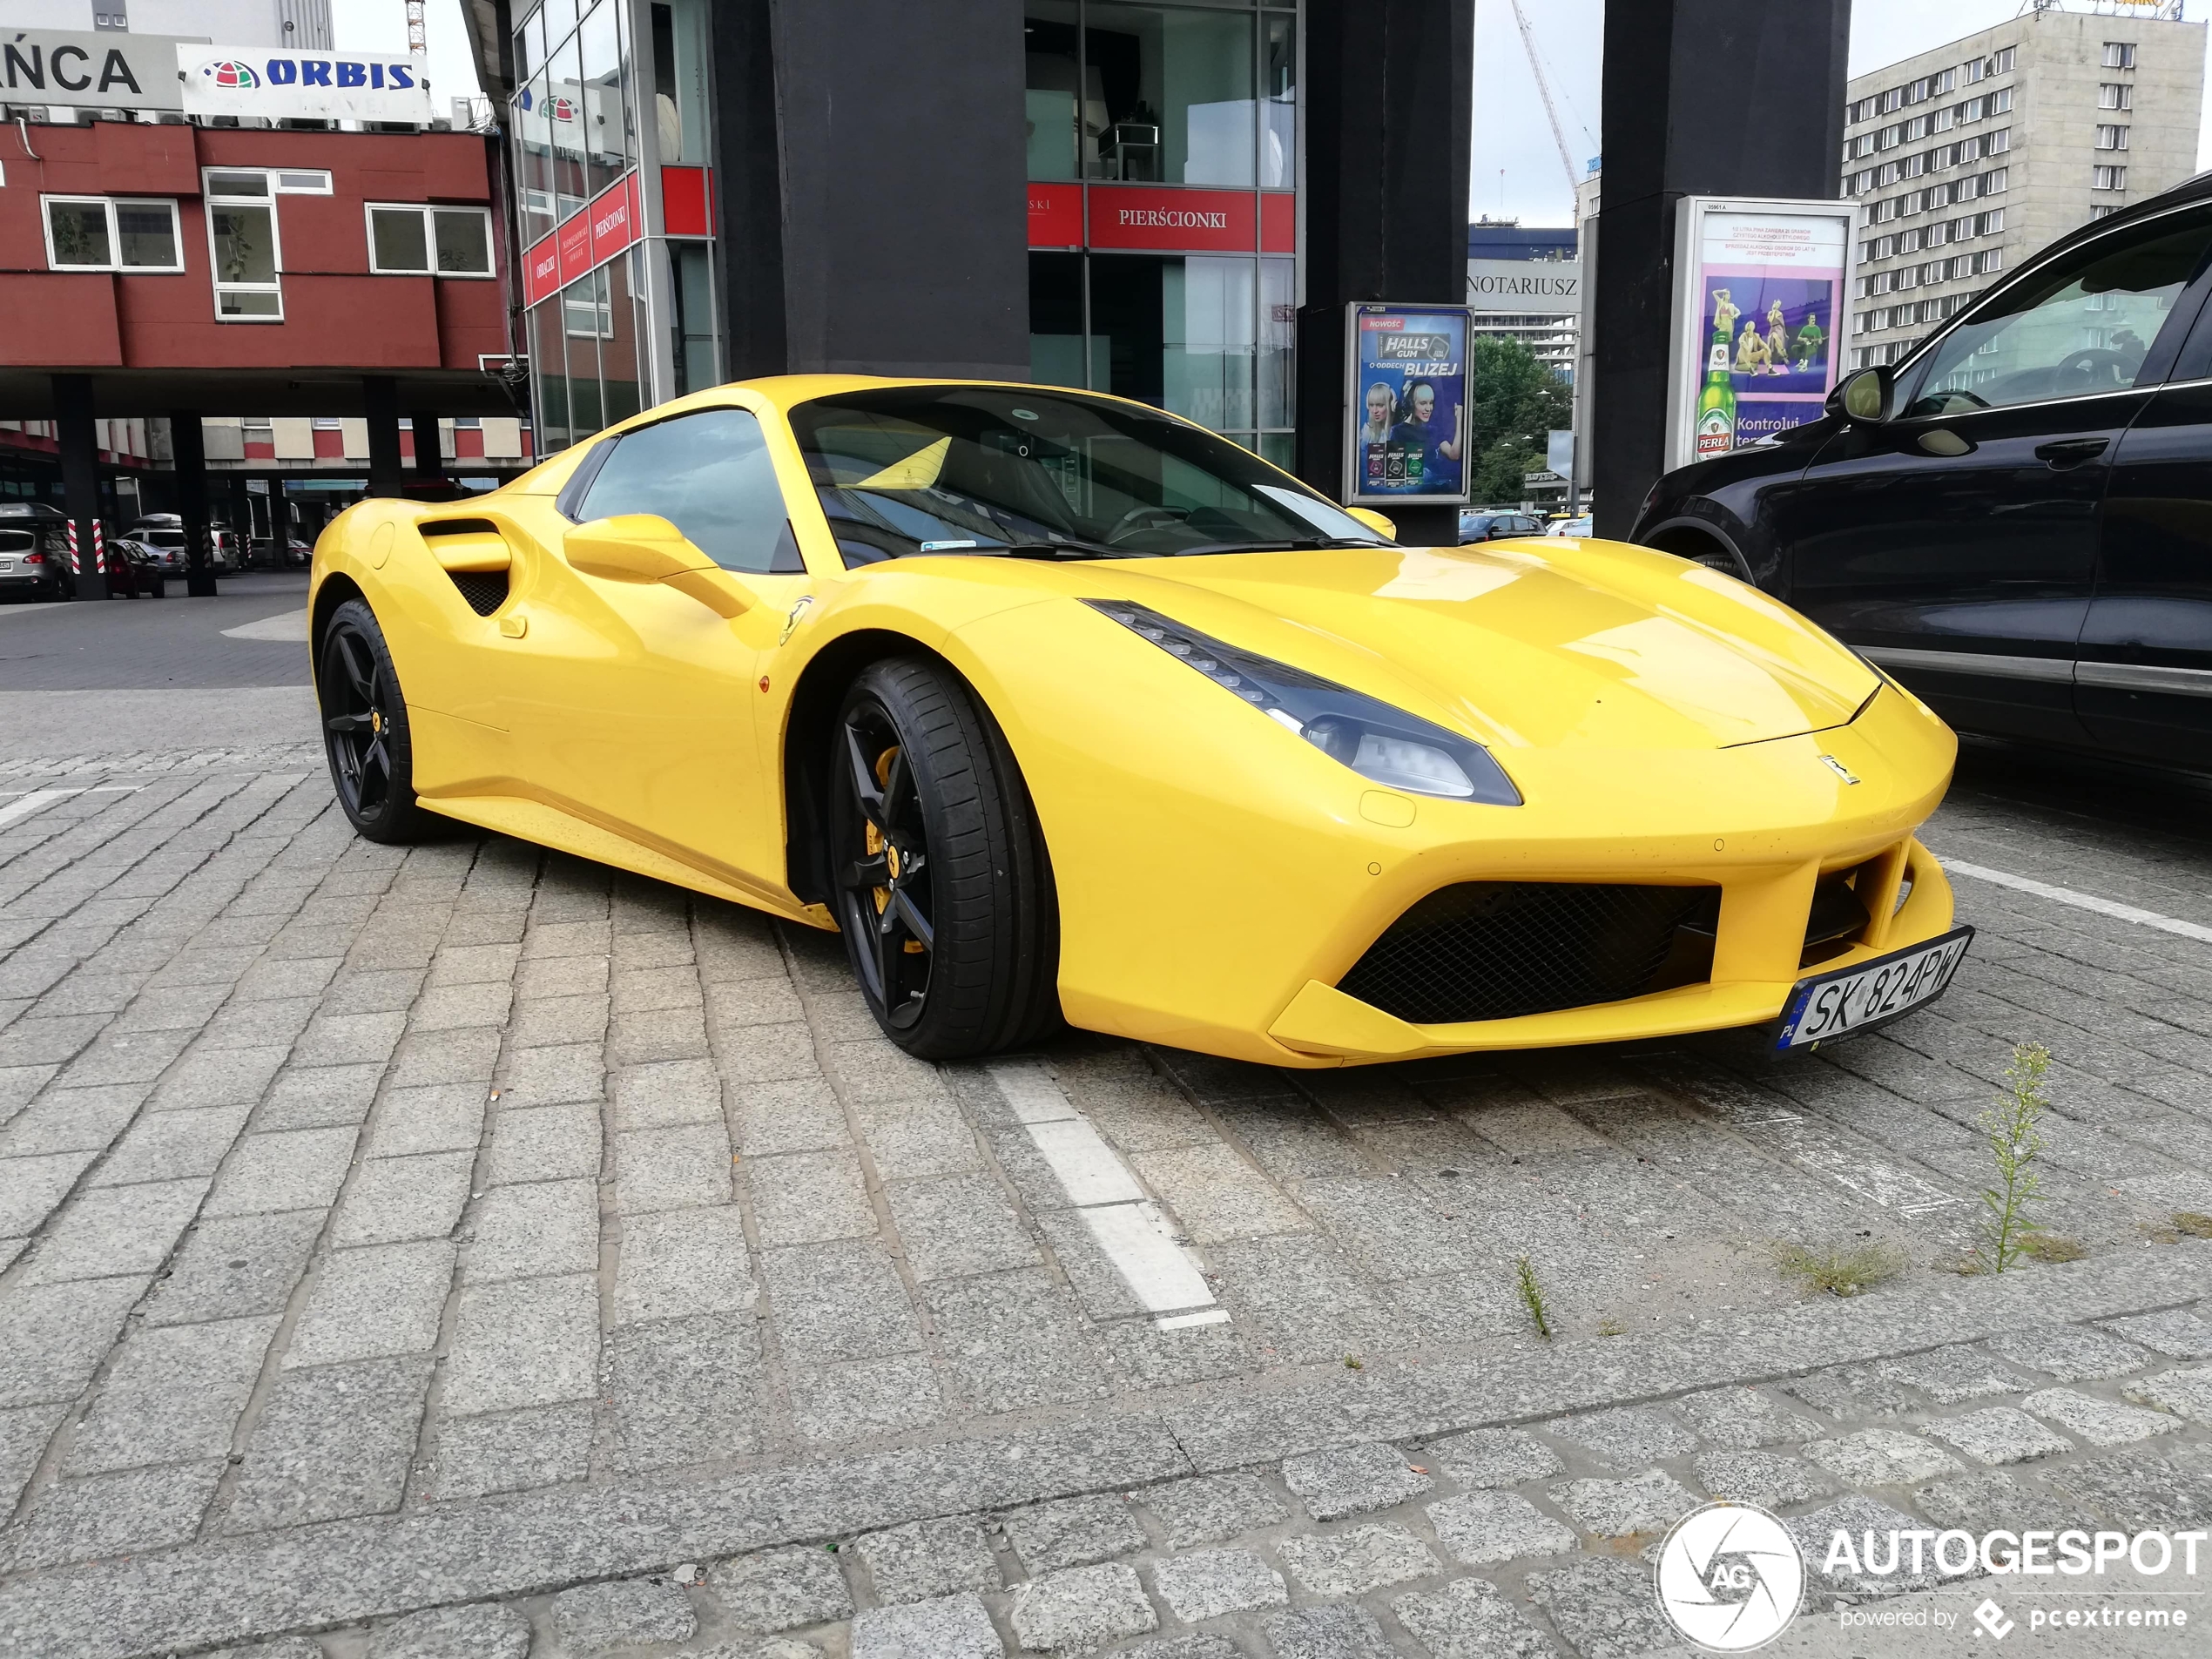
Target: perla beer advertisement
[1761,289]
[1407,401]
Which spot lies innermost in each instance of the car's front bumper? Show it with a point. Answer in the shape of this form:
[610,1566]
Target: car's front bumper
[1216,881]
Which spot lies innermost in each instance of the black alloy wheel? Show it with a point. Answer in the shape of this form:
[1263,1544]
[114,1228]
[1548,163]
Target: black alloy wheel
[365,727]
[943,888]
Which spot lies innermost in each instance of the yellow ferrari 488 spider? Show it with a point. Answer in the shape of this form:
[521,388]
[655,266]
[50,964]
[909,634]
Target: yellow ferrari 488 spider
[1059,707]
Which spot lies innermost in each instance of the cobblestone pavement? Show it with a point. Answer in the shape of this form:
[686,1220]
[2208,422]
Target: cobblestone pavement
[467,1251]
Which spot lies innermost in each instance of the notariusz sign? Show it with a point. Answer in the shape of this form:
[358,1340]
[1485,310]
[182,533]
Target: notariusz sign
[1552,287]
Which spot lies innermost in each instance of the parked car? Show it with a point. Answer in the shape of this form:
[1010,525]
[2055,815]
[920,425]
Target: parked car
[166,530]
[134,568]
[2016,520]
[1577,526]
[33,552]
[170,559]
[1490,523]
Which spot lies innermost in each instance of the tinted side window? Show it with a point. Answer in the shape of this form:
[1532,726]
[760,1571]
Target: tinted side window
[709,475]
[2082,325]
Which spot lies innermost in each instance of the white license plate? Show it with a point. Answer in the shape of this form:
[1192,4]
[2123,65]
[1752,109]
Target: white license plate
[6,565]
[1858,998]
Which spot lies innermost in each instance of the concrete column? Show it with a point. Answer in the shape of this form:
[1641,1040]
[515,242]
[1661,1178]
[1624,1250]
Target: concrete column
[429,452]
[1390,109]
[381,404]
[241,523]
[187,445]
[80,476]
[1702,98]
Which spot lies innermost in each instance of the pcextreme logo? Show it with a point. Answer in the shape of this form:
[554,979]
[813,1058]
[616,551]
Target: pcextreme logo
[1730,1577]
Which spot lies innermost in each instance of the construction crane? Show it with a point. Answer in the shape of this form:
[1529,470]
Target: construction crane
[1544,91]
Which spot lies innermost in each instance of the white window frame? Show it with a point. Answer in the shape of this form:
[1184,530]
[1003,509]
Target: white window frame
[2118,54]
[2115,95]
[114,235]
[2108,177]
[2111,136]
[212,199]
[369,210]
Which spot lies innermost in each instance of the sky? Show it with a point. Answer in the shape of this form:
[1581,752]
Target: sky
[380,26]
[1516,168]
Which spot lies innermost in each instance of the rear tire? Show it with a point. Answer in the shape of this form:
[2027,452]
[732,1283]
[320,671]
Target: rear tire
[366,733]
[939,875]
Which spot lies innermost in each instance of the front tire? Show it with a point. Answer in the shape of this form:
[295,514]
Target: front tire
[942,885]
[365,727]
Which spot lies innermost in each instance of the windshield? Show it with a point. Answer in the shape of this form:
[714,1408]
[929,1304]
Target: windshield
[989,471]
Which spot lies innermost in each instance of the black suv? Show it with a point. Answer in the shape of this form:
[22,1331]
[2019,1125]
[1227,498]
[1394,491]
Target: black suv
[2016,520]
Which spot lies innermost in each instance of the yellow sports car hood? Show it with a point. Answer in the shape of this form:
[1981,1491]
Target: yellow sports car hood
[1553,643]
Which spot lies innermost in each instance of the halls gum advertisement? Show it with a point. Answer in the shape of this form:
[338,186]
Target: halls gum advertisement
[1408,398]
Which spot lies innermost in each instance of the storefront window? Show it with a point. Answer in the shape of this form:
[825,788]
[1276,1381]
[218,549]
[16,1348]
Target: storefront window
[608,145]
[1202,94]
[692,276]
[564,107]
[620,377]
[679,82]
[534,159]
[549,370]
[1278,343]
[1278,104]
[1176,82]
[1052,41]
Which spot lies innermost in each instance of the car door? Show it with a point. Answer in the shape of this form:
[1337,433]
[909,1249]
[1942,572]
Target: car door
[2143,673]
[634,699]
[1956,544]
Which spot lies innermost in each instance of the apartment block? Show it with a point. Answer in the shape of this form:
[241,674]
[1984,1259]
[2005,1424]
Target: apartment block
[1968,159]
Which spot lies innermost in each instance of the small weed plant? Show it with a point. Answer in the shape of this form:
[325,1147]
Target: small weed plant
[1532,1297]
[1840,1272]
[2013,1125]
[2195,1223]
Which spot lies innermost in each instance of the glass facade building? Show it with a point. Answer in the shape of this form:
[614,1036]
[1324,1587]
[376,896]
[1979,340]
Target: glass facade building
[609,132]
[1162,157]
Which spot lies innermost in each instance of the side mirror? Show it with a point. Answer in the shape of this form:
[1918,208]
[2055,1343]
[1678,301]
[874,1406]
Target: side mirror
[1387,529]
[632,547]
[645,548]
[1865,396]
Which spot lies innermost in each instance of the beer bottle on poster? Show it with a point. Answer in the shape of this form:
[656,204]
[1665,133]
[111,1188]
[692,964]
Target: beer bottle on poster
[1717,403]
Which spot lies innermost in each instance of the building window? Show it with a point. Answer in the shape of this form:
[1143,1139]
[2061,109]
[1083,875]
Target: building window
[2112,138]
[2115,95]
[2002,64]
[2103,210]
[1995,144]
[1943,83]
[244,252]
[428,241]
[2000,100]
[2119,54]
[101,233]
[1976,69]
[2107,178]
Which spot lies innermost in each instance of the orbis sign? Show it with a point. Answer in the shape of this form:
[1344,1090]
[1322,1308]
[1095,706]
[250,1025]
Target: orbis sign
[336,86]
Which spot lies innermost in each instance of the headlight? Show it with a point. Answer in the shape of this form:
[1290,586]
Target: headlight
[1385,744]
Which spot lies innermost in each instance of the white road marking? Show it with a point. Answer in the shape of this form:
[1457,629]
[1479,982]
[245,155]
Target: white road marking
[1128,1226]
[34,801]
[2113,907]
[290,627]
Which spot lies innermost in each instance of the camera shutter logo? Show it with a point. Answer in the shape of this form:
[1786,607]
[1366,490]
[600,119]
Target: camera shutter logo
[1730,1577]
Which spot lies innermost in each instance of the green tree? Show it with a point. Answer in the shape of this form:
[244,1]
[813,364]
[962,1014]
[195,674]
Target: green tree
[1515,401]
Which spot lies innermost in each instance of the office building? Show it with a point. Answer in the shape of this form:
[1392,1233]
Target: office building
[1966,159]
[1526,284]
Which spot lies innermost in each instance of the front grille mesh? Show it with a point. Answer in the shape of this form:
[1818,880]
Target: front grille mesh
[1490,950]
[485,590]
